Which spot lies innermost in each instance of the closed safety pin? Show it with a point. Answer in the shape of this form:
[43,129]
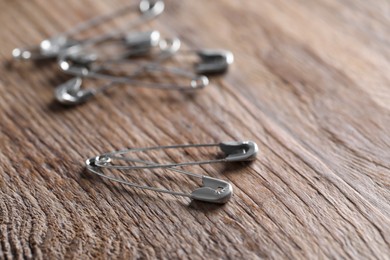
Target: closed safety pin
[50,48]
[212,190]
[76,61]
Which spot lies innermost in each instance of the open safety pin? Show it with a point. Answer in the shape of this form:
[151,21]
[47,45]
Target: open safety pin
[212,190]
[52,47]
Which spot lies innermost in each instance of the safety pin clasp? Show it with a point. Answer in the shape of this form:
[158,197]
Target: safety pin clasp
[213,61]
[70,93]
[239,151]
[151,7]
[142,42]
[213,190]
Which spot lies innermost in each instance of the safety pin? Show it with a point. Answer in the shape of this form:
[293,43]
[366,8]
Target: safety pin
[52,47]
[76,61]
[212,189]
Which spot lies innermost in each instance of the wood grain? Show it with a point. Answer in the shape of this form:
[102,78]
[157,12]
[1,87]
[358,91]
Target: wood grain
[310,84]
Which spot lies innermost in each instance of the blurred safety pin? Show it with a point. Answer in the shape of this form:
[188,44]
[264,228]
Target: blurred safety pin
[80,64]
[212,190]
[50,48]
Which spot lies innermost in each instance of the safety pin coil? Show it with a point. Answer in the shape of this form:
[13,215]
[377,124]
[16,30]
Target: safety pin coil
[212,189]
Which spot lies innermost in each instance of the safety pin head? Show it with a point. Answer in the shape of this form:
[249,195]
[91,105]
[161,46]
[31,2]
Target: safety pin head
[70,93]
[151,7]
[213,190]
[142,42]
[214,61]
[239,151]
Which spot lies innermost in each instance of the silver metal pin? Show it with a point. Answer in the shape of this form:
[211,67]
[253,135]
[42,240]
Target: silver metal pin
[212,190]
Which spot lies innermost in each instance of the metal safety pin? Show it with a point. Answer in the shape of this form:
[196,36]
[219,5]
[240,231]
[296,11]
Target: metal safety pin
[50,48]
[212,189]
[77,62]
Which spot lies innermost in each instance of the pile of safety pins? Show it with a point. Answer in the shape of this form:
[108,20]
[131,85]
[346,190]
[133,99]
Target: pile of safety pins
[145,52]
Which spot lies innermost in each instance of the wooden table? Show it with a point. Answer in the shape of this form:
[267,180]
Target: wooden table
[310,84]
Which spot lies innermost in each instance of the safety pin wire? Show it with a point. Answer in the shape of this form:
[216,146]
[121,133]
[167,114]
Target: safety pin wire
[82,96]
[234,151]
[196,81]
[147,67]
[121,59]
[112,156]
[212,190]
[215,61]
[131,184]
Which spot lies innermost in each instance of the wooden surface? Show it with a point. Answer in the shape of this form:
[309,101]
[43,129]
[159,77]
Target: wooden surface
[310,84]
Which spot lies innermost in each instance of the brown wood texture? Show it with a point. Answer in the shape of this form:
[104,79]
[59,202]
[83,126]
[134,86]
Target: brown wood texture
[310,84]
